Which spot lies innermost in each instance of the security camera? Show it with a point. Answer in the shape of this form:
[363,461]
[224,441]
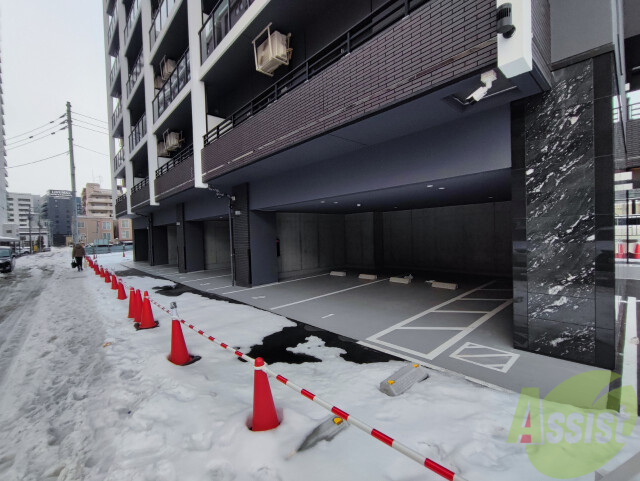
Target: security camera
[487,78]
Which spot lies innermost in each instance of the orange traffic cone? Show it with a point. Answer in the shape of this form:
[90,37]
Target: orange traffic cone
[264,411]
[107,277]
[132,303]
[179,354]
[137,314]
[121,294]
[147,316]
[620,253]
[114,283]
[122,251]
[102,272]
[636,253]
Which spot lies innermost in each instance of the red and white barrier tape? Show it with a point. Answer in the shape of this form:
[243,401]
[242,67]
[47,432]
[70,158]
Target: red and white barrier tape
[379,435]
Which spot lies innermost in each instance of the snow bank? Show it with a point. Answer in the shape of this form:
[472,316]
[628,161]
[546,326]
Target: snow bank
[86,397]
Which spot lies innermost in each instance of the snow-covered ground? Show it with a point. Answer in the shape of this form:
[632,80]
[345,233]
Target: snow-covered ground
[83,396]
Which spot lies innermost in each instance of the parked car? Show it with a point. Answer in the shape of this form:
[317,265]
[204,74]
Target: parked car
[7,259]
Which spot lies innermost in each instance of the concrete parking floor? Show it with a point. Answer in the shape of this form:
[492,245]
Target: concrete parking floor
[467,330]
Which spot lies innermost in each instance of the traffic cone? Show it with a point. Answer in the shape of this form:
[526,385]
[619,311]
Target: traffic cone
[121,294]
[636,253]
[132,303]
[620,253]
[147,316]
[114,283]
[179,354]
[264,411]
[107,277]
[101,271]
[137,314]
[122,251]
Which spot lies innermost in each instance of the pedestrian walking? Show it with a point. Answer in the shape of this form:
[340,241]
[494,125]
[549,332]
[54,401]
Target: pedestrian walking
[78,254]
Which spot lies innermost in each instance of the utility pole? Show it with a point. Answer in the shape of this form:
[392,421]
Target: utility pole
[74,210]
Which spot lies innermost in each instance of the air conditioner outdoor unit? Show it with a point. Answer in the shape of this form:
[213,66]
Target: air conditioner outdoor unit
[172,140]
[158,82]
[162,151]
[272,52]
[167,66]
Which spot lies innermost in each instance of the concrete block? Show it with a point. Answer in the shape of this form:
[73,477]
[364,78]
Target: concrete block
[326,431]
[443,285]
[338,273]
[401,380]
[400,280]
[368,277]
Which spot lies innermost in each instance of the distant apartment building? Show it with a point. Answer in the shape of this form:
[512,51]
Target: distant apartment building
[96,201]
[4,183]
[95,228]
[24,211]
[57,208]
[124,231]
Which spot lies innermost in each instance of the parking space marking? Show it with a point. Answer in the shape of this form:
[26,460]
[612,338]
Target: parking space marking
[446,345]
[377,335]
[425,328]
[274,284]
[463,312]
[205,284]
[480,299]
[329,294]
[463,354]
[205,278]
[216,288]
[328,315]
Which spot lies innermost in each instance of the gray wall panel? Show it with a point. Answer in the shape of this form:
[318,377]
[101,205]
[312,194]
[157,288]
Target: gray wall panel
[264,263]
[359,240]
[172,244]
[216,244]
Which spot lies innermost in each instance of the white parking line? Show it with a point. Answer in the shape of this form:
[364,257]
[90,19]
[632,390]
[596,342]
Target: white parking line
[424,328]
[328,315]
[274,284]
[479,299]
[329,294]
[216,288]
[205,278]
[375,337]
[463,312]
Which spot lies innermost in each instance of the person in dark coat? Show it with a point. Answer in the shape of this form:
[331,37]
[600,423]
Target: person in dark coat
[78,253]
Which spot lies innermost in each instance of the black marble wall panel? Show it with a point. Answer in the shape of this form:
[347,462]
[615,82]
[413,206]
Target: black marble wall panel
[562,198]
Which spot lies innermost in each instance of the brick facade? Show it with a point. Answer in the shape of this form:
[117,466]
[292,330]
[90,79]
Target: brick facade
[393,67]
[179,178]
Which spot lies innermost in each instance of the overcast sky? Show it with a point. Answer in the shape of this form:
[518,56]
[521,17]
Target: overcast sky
[53,52]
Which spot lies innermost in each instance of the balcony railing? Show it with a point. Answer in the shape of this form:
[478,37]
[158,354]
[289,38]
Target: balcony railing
[160,18]
[113,21]
[118,160]
[135,73]
[117,113]
[177,159]
[220,21]
[114,70]
[138,132]
[131,19]
[633,112]
[143,183]
[121,204]
[377,21]
[172,86]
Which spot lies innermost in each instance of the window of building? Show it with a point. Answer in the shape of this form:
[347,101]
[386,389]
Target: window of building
[80,224]
[106,225]
[125,234]
[125,223]
[106,235]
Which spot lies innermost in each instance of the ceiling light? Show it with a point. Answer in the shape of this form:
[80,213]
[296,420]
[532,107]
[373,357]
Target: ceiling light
[441,188]
[322,201]
[429,186]
[358,205]
[335,201]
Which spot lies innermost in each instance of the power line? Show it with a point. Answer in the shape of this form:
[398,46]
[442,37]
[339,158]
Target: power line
[36,161]
[92,118]
[13,146]
[90,150]
[97,131]
[34,136]
[33,130]
[89,123]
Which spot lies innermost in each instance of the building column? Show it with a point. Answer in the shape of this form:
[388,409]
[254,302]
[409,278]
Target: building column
[562,193]
[190,243]
[239,217]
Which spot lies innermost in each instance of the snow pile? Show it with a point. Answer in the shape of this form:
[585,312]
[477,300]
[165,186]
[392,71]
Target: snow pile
[83,396]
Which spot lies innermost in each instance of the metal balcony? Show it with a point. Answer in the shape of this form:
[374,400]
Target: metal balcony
[172,86]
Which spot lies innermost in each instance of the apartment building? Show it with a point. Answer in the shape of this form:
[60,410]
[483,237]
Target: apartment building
[92,228]
[4,173]
[441,135]
[96,201]
[25,211]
